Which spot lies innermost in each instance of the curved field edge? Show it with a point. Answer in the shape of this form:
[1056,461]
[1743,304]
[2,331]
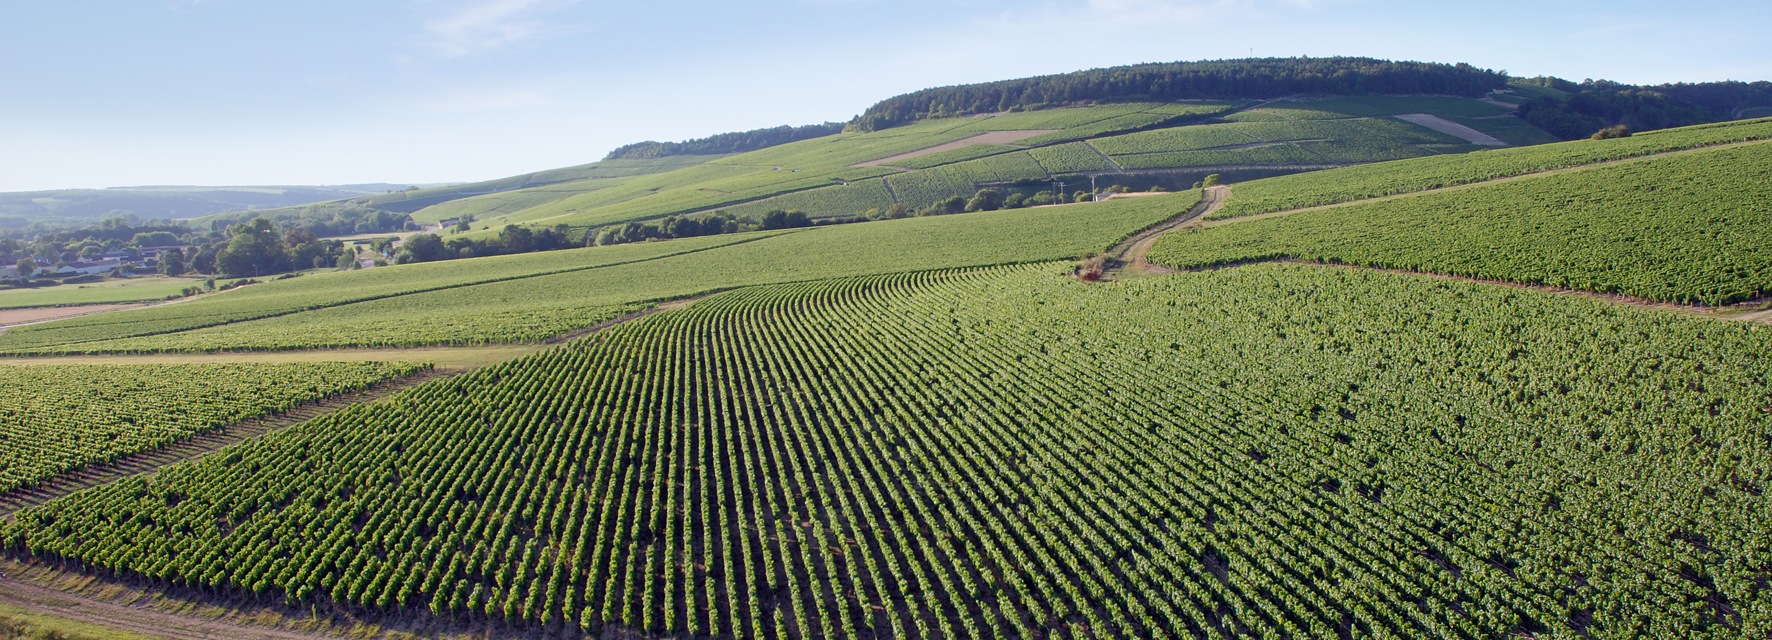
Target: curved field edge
[871,450]
[1349,184]
[891,246]
[1685,228]
[292,296]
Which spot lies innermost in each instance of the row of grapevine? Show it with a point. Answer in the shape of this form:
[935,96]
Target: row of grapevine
[57,418]
[1275,451]
[528,308]
[323,290]
[1687,228]
[1356,183]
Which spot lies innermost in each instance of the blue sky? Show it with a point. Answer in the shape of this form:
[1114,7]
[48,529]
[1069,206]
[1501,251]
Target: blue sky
[96,94]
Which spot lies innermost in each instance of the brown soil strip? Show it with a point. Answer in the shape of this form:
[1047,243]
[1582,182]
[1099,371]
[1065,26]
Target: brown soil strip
[133,618]
[1449,127]
[151,461]
[994,137]
[32,315]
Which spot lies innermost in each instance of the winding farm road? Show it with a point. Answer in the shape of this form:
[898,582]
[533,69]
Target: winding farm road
[1131,251]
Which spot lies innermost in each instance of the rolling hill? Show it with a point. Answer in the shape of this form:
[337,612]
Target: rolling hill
[1419,371]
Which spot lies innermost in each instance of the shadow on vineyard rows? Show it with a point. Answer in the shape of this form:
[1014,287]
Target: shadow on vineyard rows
[150,461]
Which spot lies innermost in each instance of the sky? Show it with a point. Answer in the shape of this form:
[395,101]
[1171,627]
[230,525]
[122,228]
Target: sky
[234,92]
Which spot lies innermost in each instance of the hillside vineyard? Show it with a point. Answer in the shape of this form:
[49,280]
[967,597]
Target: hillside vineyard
[1272,450]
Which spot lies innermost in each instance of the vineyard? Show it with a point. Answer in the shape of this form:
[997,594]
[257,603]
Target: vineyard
[307,293]
[1356,183]
[56,418]
[527,309]
[1272,451]
[1688,228]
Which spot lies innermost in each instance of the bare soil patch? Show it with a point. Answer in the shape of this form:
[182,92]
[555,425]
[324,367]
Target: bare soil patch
[1449,127]
[994,137]
[31,315]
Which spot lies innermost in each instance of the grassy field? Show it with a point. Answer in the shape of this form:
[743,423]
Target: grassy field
[526,309]
[1282,450]
[1689,227]
[108,292]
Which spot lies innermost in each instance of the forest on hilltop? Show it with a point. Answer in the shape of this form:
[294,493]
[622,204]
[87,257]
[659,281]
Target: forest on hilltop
[1211,79]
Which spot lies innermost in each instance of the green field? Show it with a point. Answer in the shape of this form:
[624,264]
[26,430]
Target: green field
[1284,451]
[55,418]
[1356,183]
[315,291]
[1690,227]
[529,308]
[617,191]
[108,292]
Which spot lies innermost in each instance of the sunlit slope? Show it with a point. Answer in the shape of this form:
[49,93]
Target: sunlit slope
[1272,451]
[1687,227]
[328,289]
[851,173]
[516,310]
[1370,181]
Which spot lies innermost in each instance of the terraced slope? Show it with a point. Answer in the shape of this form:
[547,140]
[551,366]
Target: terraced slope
[1274,450]
[843,175]
[1690,227]
[1377,180]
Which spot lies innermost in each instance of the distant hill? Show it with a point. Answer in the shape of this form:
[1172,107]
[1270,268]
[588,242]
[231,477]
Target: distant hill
[20,208]
[1141,126]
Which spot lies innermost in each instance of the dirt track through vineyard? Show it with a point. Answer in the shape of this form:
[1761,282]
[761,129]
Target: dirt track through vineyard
[1131,251]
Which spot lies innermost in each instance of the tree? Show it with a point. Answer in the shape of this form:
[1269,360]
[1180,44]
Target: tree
[255,249]
[26,266]
[172,263]
[422,247]
[154,239]
[985,200]
[1212,180]
[779,219]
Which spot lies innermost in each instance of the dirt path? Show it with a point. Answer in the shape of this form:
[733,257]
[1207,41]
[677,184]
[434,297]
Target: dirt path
[1105,158]
[151,461]
[1449,127]
[135,619]
[1131,250]
[33,315]
[994,137]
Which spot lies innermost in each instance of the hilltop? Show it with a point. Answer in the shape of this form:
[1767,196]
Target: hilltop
[1327,366]
[1042,139]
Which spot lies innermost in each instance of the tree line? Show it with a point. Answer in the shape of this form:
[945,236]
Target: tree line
[724,143]
[1603,107]
[1213,79]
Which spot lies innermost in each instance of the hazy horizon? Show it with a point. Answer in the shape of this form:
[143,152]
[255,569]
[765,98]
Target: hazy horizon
[221,92]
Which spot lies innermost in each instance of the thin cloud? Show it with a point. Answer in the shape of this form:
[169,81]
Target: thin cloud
[493,26]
